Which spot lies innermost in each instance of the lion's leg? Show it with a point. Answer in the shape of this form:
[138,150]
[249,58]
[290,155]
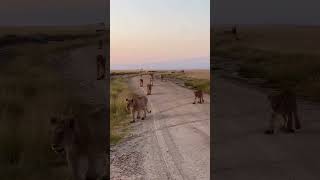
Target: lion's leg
[103,70]
[297,120]
[195,99]
[74,164]
[133,118]
[138,115]
[97,165]
[271,124]
[284,125]
[290,125]
[144,114]
[92,168]
[98,70]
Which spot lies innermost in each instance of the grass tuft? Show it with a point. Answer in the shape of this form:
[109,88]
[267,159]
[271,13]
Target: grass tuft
[119,120]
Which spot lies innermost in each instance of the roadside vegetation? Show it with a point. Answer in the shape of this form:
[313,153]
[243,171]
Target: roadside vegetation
[32,91]
[120,73]
[287,57]
[119,117]
[43,35]
[191,80]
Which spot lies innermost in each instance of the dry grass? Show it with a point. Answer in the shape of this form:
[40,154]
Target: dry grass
[287,39]
[283,55]
[193,79]
[119,120]
[198,74]
[49,30]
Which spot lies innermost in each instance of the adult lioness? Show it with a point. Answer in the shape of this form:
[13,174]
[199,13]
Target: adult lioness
[137,104]
[151,81]
[151,75]
[101,67]
[81,144]
[141,82]
[198,94]
[149,88]
[284,111]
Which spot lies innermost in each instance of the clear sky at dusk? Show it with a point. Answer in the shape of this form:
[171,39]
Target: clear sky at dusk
[147,31]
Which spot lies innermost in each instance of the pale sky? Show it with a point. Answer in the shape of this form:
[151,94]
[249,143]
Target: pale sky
[153,31]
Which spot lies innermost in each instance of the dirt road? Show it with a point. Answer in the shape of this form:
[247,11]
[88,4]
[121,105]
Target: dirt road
[172,143]
[243,152]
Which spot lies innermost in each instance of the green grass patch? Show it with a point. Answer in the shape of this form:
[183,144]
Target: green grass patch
[119,119]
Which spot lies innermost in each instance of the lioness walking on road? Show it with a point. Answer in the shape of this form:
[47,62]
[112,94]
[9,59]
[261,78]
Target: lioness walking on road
[141,82]
[198,94]
[137,104]
[101,67]
[149,88]
[151,78]
[284,112]
[151,81]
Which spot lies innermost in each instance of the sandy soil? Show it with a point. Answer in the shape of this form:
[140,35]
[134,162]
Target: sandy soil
[243,151]
[172,143]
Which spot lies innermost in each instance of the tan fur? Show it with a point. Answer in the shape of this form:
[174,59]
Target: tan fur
[151,81]
[149,88]
[141,82]
[151,78]
[137,104]
[198,94]
[284,112]
[75,141]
